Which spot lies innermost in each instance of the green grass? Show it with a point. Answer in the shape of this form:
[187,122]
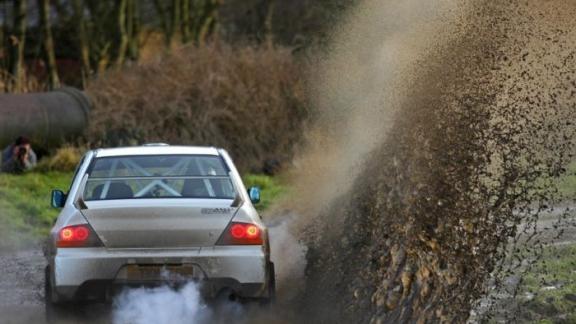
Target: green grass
[271,189]
[25,211]
[567,182]
[554,276]
[26,214]
[550,281]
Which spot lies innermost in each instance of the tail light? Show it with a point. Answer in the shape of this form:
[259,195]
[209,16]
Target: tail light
[77,236]
[241,234]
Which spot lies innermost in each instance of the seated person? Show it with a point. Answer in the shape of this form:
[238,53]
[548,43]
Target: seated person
[18,157]
[195,188]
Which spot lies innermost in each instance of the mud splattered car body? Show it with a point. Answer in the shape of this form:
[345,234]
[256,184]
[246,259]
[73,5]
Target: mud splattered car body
[154,214]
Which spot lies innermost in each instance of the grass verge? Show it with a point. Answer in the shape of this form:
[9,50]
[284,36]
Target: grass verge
[549,290]
[25,211]
[272,189]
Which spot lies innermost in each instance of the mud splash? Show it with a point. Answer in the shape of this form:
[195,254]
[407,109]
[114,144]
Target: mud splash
[448,123]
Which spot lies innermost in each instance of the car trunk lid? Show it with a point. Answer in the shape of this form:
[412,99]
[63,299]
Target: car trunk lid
[159,223]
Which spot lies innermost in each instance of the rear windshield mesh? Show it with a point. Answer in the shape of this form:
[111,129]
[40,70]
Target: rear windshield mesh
[159,176]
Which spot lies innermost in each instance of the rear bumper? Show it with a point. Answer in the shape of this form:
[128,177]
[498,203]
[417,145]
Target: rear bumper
[92,273]
[105,290]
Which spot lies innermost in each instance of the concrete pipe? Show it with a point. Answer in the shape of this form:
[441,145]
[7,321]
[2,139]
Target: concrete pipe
[47,118]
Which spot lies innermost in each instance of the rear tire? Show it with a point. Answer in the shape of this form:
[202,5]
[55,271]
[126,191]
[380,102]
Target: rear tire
[55,312]
[271,286]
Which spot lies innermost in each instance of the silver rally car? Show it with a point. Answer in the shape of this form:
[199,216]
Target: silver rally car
[157,214]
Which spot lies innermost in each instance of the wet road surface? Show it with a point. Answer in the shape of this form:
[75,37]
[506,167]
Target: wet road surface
[22,286]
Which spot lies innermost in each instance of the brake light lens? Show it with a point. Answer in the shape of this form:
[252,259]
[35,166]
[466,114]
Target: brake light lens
[77,236]
[241,234]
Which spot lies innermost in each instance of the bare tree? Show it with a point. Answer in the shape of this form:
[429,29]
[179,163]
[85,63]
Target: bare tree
[50,57]
[175,18]
[17,43]
[133,29]
[186,23]
[268,31]
[122,32]
[102,31]
[207,20]
[80,22]
[3,33]
[163,13]
[198,19]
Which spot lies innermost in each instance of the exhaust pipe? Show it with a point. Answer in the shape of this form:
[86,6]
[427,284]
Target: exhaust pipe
[226,295]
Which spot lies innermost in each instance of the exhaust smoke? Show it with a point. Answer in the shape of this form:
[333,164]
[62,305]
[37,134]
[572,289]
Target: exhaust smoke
[167,304]
[161,305]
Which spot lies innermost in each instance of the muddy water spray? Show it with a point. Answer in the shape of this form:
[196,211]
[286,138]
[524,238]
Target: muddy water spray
[368,76]
[357,90]
[445,123]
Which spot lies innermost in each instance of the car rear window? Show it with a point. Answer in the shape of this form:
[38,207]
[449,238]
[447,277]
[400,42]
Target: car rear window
[159,176]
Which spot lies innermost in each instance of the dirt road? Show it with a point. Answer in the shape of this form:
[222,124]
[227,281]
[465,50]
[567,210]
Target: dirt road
[21,286]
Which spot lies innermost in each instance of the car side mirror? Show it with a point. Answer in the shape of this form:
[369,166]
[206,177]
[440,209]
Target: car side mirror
[254,193]
[58,198]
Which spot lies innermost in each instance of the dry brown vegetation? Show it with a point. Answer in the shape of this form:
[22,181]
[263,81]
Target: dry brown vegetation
[29,83]
[249,100]
[64,159]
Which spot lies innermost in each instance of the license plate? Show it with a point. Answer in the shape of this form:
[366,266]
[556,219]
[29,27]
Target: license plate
[162,273]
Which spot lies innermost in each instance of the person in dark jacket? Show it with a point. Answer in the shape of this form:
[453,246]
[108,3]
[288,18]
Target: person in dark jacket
[19,156]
